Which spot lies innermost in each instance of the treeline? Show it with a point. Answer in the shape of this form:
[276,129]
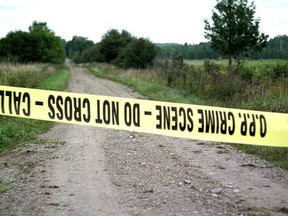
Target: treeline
[119,48]
[277,48]
[39,44]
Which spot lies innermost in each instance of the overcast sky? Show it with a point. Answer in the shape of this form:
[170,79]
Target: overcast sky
[162,21]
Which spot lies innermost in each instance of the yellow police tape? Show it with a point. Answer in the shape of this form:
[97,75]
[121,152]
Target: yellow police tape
[163,118]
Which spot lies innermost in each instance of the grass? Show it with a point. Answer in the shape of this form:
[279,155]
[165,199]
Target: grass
[4,186]
[43,76]
[201,88]
[144,82]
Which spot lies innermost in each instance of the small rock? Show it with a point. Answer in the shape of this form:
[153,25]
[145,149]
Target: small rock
[53,186]
[216,191]
[142,164]
[187,181]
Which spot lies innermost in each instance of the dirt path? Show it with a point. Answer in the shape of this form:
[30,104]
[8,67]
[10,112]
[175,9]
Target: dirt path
[76,170]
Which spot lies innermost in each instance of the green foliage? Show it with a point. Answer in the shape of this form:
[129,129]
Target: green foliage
[24,75]
[277,48]
[76,48]
[281,70]
[112,43]
[59,81]
[4,186]
[121,49]
[139,53]
[188,51]
[40,44]
[234,31]
[211,68]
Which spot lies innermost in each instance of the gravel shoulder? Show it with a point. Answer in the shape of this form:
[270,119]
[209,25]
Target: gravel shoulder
[77,170]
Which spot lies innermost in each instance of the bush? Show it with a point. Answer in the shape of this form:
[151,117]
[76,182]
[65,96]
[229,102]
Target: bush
[211,67]
[280,70]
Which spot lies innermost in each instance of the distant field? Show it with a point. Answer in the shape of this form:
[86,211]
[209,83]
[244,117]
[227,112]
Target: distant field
[247,62]
[262,62]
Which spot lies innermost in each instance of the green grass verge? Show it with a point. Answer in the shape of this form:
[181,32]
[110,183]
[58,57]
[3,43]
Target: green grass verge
[59,81]
[159,91]
[153,90]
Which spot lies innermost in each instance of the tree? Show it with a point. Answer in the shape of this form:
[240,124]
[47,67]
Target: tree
[234,31]
[38,45]
[76,48]
[112,42]
[137,54]
[47,46]
[17,46]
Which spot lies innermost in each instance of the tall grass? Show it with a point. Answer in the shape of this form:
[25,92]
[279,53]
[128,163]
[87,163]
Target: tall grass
[209,84]
[44,76]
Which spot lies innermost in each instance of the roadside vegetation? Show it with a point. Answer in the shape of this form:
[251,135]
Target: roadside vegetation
[260,85]
[42,76]
[160,71]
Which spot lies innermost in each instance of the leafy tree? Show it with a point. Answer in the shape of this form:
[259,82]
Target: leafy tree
[17,46]
[76,47]
[92,54]
[188,51]
[112,42]
[47,46]
[277,48]
[138,54]
[234,31]
[38,45]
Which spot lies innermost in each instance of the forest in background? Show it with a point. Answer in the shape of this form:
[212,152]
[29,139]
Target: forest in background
[277,48]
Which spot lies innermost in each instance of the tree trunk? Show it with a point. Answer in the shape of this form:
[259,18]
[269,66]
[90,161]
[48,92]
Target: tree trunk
[230,66]
[238,64]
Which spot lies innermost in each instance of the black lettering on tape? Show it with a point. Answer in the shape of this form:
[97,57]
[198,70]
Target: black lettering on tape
[159,117]
[69,108]
[59,103]
[26,99]
[251,127]
[263,126]
[2,101]
[19,103]
[252,123]
[132,114]
[210,121]
[172,118]
[201,121]
[231,128]
[51,101]
[182,125]
[109,114]
[87,115]
[77,109]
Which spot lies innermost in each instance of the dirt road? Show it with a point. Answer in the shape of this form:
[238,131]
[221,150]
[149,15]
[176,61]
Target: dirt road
[76,170]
